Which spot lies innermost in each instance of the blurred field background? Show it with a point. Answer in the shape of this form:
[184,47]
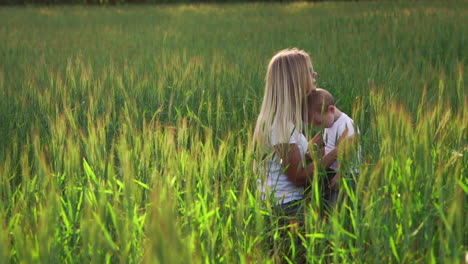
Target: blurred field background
[125,131]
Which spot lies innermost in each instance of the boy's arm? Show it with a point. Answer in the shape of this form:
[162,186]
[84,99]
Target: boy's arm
[314,145]
[318,144]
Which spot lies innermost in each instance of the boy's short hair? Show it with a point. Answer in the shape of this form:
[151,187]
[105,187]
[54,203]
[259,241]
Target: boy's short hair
[319,99]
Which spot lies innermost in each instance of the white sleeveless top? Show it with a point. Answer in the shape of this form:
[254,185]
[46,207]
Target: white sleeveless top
[331,135]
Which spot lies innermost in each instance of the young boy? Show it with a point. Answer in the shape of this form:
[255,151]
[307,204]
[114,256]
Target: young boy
[323,113]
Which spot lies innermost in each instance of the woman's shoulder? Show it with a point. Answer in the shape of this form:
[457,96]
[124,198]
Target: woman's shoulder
[289,135]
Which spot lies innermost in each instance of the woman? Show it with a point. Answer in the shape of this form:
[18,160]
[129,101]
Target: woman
[278,136]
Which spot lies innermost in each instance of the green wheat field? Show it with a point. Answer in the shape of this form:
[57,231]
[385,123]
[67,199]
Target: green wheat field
[126,132]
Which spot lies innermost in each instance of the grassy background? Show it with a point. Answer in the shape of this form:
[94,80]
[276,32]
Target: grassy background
[125,132]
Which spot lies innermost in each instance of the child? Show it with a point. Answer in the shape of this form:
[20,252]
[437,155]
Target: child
[323,113]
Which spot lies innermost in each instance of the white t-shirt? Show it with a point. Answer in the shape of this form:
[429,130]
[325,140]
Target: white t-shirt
[277,182]
[331,135]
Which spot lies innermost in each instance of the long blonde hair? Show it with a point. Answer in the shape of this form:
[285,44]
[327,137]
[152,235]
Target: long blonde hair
[288,81]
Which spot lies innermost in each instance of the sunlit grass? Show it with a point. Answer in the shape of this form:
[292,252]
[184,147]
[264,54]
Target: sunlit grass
[126,132]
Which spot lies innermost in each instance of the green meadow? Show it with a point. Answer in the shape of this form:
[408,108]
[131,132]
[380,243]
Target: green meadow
[126,132]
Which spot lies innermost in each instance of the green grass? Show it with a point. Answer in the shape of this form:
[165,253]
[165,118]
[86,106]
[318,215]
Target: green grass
[126,131]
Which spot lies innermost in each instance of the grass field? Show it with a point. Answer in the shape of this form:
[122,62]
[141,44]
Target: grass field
[126,131]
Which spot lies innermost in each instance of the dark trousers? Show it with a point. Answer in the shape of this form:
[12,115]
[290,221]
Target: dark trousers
[290,220]
[329,195]
[290,211]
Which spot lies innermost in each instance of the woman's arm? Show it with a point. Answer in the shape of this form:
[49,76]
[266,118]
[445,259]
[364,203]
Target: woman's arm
[295,169]
[294,165]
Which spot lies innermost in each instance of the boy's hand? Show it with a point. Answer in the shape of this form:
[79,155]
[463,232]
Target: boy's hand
[308,157]
[317,139]
[316,143]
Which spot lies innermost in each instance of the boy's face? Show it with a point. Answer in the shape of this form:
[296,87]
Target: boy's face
[324,119]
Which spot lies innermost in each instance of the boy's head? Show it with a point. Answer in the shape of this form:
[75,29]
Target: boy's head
[321,108]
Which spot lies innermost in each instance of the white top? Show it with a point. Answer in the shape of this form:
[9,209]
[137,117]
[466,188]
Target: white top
[331,135]
[277,183]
